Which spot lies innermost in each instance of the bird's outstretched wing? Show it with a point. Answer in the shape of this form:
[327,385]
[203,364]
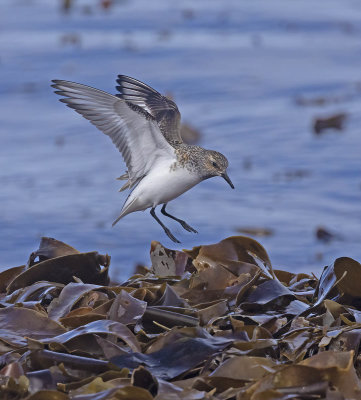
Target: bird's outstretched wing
[134,131]
[164,110]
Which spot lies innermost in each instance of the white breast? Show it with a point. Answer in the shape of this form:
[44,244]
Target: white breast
[163,184]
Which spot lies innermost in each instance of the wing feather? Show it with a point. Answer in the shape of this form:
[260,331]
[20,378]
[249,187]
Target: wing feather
[132,129]
[164,110]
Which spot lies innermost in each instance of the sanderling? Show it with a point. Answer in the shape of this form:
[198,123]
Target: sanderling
[145,127]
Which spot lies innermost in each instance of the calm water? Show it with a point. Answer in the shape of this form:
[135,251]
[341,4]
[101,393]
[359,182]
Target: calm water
[236,69]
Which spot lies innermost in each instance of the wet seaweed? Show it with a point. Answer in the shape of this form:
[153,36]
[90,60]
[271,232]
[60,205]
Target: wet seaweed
[214,322]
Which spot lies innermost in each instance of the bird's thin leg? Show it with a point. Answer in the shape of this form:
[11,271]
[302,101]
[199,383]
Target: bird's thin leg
[166,230]
[183,223]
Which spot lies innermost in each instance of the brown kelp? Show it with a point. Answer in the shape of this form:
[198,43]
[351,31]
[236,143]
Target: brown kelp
[214,322]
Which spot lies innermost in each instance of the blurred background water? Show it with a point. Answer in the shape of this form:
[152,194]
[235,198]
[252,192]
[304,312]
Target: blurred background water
[251,76]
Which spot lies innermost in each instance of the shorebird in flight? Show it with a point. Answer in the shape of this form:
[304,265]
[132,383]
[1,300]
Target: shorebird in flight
[145,127]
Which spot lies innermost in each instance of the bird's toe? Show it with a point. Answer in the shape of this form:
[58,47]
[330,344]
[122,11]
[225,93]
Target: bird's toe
[171,236]
[188,227]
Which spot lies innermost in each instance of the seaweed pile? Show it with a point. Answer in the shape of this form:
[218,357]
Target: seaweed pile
[214,322]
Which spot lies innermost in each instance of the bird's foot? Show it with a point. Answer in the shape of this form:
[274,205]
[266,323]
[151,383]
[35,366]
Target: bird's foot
[171,236]
[187,227]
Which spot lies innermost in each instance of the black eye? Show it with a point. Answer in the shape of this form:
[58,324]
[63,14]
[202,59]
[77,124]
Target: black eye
[215,165]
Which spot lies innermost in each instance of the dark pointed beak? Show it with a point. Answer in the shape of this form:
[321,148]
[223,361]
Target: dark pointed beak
[226,178]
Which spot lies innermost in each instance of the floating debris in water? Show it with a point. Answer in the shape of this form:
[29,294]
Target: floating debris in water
[188,13]
[323,100]
[292,174]
[106,4]
[66,5]
[325,235]
[255,231]
[72,39]
[336,121]
[190,135]
[247,163]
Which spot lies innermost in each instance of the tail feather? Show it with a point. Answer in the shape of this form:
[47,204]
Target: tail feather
[124,177]
[117,220]
[125,186]
[127,209]
[128,184]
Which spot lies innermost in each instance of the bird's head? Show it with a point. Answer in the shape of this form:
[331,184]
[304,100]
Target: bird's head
[216,165]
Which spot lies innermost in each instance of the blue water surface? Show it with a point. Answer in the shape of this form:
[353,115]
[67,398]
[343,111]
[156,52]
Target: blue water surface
[237,70]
